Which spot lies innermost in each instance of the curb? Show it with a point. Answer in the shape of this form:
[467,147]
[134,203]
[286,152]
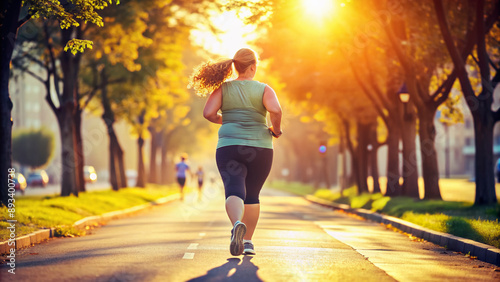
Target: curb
[45,234]
[482,251]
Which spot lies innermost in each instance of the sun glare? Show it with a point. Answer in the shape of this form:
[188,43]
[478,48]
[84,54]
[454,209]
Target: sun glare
[233,35]
[318,9]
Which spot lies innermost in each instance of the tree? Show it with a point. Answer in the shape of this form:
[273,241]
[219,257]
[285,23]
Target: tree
[33,148]
[113,58]
[479,104]
[321,73]
[10,22]
[411,30]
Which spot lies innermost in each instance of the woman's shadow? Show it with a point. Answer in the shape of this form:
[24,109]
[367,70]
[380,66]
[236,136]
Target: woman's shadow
[232,270]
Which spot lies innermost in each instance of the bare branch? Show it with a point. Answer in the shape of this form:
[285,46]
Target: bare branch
[48,98]
[476,60]
[37,77]
[24,20]
[458,62]
[493,64]
[53,60]
[442,93]
[482,54]
[400,52]
[369,94]
[89,97]
[372,80]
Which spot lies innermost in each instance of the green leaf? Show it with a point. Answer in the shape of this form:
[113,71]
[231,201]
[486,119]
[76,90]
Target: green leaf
[78,45]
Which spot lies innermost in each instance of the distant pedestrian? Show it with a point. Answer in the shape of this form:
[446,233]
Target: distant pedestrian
[497,170]
[245,149]
[181,168]
[200,175]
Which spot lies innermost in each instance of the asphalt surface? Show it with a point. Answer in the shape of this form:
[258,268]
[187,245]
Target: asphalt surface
[294,241]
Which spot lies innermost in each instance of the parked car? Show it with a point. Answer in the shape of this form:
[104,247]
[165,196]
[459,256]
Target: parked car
[38,178]
[131,177]
[20,183]
[89,173]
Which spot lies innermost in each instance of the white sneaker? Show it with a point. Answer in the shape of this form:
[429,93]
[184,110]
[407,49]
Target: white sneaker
[237,234]
[249,249]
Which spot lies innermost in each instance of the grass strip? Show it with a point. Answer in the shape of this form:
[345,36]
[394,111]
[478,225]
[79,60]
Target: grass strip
[37,212]
[293,187]
[478,223]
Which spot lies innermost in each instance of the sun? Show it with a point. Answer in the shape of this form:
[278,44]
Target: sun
[318,9]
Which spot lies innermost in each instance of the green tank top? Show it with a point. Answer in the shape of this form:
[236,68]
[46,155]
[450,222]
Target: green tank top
[244,115]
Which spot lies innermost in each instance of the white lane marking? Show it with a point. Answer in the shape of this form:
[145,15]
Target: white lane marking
[188,256]
[193,246]
[202,234]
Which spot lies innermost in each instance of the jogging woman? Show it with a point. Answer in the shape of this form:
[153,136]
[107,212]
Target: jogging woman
[245,149]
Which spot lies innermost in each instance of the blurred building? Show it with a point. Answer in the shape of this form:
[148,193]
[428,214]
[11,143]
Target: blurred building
[462,143]
[31,110]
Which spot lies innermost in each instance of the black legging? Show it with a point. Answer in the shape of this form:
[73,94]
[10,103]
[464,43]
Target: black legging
[244,170]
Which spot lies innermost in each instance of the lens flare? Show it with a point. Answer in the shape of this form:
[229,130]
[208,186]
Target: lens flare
[319,9]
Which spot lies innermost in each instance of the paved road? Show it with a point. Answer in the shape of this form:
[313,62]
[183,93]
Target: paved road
[295,241]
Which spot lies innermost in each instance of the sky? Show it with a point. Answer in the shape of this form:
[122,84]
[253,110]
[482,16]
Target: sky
[234,35]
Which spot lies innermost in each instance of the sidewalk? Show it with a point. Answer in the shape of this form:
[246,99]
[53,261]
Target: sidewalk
[43,235]
[482,251]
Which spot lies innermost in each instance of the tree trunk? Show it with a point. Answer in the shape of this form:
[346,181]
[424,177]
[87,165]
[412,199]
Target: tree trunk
[70,65]
[410,166]
[117,176]
[374,159]
[80,158]
[8,35]
[362,153]
[430,170]
[353,177]
[68,143]
[118,165]
[153,168]
[141,170]
[121,163]
[343,165]
[480,106]
[113,177]
[484,163]
[393,136]
[447,151]
[164,161]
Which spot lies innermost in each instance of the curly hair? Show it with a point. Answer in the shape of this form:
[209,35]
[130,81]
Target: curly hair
[210,75]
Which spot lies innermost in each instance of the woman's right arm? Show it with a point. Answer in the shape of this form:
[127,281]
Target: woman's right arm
[214,103]
[272,105]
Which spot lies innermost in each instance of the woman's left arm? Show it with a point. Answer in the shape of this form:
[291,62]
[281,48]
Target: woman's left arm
[211,110]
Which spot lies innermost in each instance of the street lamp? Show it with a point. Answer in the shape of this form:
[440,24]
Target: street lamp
[404,96]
